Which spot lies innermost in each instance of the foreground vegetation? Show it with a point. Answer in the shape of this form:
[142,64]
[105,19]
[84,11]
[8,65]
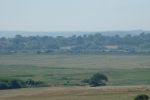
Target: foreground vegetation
[76,93]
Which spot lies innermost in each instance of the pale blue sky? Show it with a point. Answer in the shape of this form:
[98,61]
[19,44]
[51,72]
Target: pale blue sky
[74,15]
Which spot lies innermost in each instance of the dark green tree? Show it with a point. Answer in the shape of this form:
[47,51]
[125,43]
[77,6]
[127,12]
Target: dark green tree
[141,97]
[3,85]
[15,84]
[98,79]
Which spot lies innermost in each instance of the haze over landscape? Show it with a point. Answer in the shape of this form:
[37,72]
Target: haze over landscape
[11,34]
[74,15]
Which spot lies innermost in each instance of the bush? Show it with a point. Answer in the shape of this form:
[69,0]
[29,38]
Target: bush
[97,79]
[16,83]
[141,97]
[3,85]
[32,83]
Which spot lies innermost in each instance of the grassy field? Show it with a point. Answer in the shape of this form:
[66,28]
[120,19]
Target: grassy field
[69,70]
[75,93]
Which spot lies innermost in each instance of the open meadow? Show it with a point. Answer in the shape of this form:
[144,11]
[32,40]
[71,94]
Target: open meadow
[70,70]
[129,75]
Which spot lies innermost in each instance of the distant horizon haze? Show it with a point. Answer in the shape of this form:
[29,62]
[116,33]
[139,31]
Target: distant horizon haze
[74,15]
[70,33]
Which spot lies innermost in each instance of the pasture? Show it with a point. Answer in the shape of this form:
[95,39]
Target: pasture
[70,70]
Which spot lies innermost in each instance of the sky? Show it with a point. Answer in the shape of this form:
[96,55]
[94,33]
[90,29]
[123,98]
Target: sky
[74,15]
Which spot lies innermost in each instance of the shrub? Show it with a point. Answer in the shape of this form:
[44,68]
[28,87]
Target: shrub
[16,83]
[32,83]
[97,79]
[141,97]
[3,85]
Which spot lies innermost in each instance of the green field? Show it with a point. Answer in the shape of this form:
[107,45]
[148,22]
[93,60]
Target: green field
[69,70]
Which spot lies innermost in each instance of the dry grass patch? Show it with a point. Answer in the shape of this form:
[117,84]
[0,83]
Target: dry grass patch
[76,93]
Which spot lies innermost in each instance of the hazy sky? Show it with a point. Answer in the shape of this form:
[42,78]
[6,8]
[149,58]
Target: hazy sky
[74,15]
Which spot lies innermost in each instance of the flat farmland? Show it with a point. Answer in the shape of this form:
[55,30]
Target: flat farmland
[78,61]
[70,70]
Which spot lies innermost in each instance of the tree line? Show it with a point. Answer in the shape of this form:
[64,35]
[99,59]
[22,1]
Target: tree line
[76,44]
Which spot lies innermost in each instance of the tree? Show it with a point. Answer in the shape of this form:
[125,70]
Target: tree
[3,85]
[15,84]
[141,97]
[98,79]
